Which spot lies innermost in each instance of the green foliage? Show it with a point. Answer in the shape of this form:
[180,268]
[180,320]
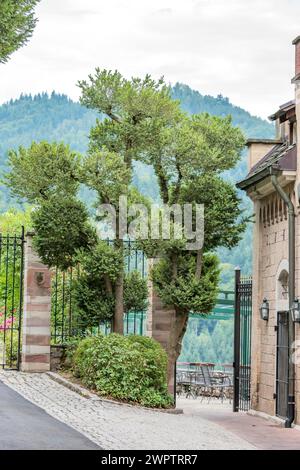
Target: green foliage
[186,292]
[135,110]
[10,277]
[12,346]
[94,288]
[189,160]
[13,220]
[62,228]
[17,22]
[193,146]
[131,369]
[107,174]
[48,169]
[94,303]
[222,210]
[57,118]
[194,102]
[102,262]
[208,341]
[135,292]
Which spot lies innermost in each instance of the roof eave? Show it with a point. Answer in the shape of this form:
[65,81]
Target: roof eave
[264,141]
[245,184]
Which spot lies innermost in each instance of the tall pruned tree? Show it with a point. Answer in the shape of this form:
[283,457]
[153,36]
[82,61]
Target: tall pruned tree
[49,175]
[17,23]
[134,112]
[189,155]
[189,159]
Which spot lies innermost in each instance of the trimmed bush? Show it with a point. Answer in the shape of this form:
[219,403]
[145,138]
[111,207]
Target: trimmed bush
[128,368]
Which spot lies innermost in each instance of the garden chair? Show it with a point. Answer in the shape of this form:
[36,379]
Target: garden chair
[215,386]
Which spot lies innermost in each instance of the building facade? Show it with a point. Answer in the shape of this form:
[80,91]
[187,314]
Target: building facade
[273,184]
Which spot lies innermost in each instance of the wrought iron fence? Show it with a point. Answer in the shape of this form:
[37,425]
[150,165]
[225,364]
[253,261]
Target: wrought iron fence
[242,342]
[65,315]
[11,296]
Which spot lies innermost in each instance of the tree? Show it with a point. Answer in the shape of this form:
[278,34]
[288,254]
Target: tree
[62,228]
[95,287]
[47,168]
[189,160]
[134,112]
[17,22]
[189,156]
[48,176]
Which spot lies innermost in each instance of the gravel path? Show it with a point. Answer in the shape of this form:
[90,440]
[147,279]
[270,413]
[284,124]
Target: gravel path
[113,426]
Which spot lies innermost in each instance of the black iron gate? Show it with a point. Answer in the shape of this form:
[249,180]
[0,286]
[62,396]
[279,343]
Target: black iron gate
[282,369]
[242,342]
[11,297]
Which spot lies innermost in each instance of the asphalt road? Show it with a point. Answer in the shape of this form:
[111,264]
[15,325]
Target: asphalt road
[24,426]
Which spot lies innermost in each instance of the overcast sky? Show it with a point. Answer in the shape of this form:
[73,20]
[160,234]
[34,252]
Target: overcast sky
[240,48]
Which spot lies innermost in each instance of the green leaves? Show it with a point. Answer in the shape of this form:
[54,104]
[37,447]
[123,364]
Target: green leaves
[17,22]
[224,222]
[107,174]
[62,228]
[95,287]
[135,109]
[135,292]
[131,369]
[103,260]
[185,291]
[43,170]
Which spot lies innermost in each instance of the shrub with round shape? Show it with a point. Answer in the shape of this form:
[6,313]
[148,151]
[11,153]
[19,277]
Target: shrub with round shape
[131,369]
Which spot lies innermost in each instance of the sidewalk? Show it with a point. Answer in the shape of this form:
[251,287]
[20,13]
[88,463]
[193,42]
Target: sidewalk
[261,433]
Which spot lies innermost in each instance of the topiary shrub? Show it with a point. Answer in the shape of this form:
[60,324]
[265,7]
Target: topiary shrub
[131,368]
[62,228]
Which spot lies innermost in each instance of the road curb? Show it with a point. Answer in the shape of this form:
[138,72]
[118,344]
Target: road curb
[92,396]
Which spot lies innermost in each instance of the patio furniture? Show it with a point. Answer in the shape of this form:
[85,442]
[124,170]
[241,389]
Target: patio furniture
[217,384]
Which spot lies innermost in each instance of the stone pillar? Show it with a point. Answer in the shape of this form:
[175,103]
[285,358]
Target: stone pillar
[36,313]
[159,321]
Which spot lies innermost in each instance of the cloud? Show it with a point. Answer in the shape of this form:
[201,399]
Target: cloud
[238,48]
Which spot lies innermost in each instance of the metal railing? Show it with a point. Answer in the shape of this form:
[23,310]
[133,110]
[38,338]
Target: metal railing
[242,342]
[11,299]
[65,315]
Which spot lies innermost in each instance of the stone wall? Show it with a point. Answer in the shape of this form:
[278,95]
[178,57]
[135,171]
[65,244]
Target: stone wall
[57,357]
[270,260]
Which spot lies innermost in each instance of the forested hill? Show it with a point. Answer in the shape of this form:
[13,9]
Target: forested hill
[57,118]
[193,102]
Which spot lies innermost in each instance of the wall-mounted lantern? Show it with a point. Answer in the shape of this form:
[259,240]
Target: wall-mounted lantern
[264,310]
[295,310]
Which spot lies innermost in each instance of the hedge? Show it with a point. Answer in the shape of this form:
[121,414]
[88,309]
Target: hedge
[127,368]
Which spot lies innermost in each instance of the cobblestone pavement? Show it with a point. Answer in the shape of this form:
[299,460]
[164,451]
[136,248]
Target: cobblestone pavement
[264,434]
[114,426]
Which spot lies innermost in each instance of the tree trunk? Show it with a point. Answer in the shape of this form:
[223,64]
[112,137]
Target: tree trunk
[199,264]
[118,323]
[177,332]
